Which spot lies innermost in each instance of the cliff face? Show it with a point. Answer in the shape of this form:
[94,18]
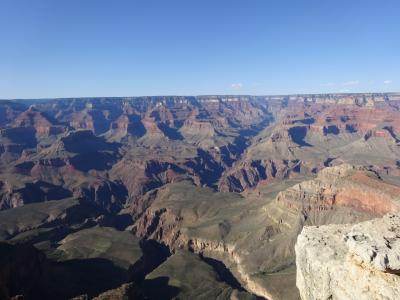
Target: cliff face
[254,235]
[359,261]
[20,268]
[349,187]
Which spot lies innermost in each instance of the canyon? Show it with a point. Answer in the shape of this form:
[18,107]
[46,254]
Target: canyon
[200,197]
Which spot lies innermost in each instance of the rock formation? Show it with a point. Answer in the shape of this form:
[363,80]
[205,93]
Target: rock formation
[232,143]
[346,186]
[360,261]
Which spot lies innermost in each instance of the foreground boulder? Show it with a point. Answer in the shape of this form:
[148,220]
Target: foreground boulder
[360,261]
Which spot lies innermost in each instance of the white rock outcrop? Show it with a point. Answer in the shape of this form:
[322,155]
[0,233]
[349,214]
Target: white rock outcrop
[350,262]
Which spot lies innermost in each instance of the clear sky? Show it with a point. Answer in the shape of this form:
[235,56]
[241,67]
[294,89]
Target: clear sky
[71,48]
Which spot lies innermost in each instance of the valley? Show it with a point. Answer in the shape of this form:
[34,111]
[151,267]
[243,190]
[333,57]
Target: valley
[177,197]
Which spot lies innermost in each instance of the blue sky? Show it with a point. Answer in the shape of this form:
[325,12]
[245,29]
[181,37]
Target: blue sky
[71,48]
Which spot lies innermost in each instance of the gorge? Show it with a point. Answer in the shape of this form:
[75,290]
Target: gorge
[200,197]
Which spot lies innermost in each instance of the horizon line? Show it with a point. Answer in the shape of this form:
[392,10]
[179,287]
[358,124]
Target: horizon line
[204,95]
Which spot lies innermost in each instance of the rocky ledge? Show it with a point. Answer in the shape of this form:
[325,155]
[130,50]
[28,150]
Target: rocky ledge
[360,261]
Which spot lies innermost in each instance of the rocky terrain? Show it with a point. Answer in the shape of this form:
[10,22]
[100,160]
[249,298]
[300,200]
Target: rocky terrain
[254,234]
[366,255]
[87,147]
[149,189]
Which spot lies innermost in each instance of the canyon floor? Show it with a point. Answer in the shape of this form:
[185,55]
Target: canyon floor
[185,197]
